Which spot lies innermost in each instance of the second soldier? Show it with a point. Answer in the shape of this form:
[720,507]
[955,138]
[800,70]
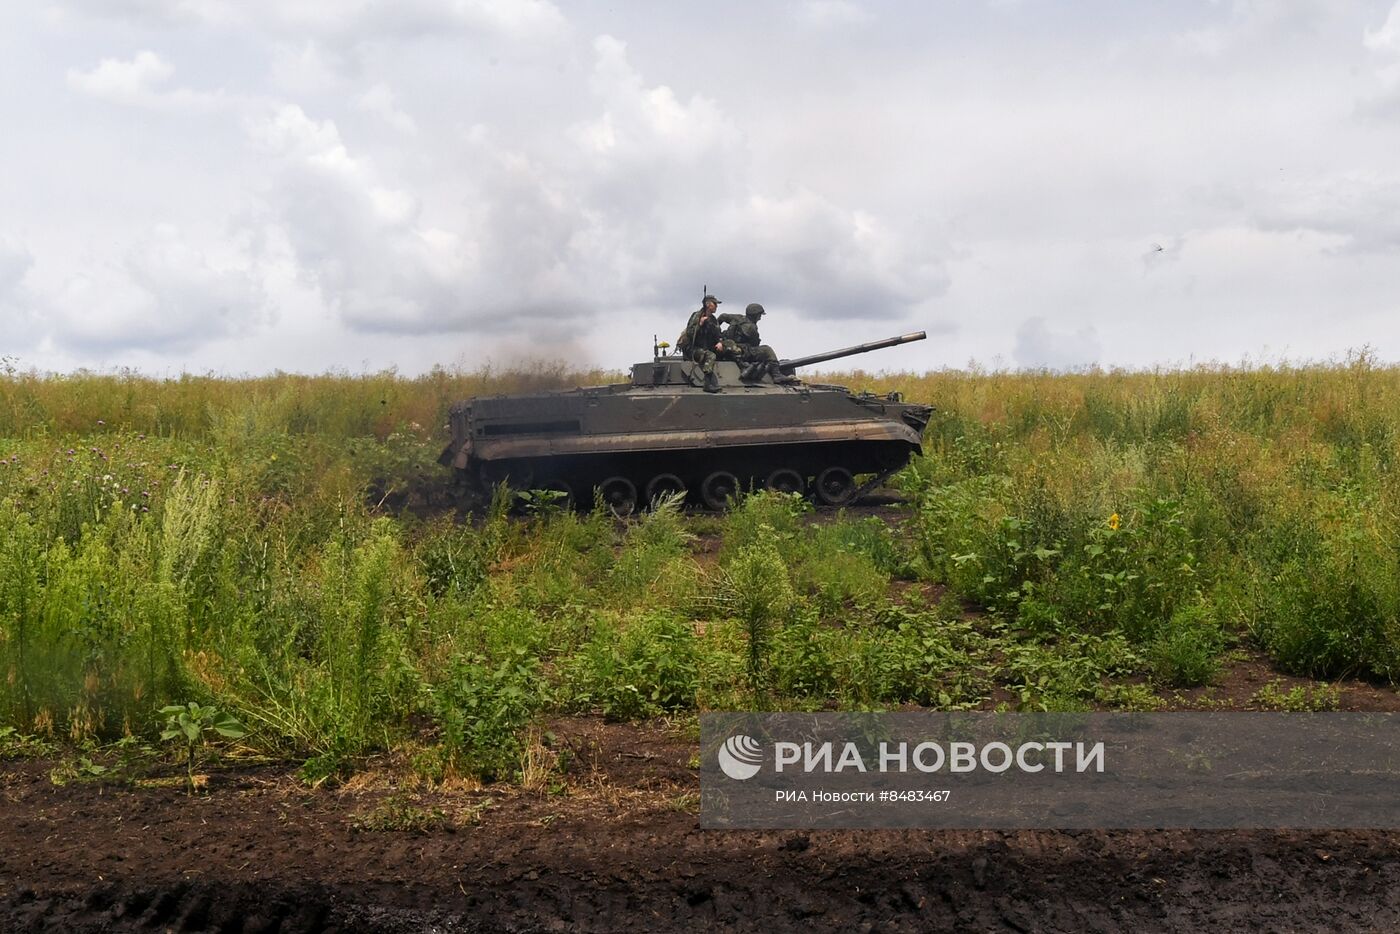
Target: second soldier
[742,339]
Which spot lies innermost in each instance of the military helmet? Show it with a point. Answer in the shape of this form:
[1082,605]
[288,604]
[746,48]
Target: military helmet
[754,311]
[711,298]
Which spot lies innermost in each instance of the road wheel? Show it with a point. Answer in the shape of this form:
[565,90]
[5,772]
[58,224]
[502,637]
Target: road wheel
[786,480]
[619,495]
[718,489]
[516,476]
[835,486]
[664,484]
[556,485]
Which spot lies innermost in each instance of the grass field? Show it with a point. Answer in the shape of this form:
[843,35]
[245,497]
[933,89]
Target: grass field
[1092,540]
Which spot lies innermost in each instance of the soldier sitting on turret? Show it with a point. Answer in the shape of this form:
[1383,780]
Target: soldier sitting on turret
[701,341]
[758,358]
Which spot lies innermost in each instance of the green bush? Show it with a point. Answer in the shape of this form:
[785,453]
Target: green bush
[803,659]
[1186,651]
[1067,671]
[641,668]
[654,565]
[482,710]
[1327,598]
[838,580]
[452,558]
[927,661]
[763,517]
[755,588]
[870,538]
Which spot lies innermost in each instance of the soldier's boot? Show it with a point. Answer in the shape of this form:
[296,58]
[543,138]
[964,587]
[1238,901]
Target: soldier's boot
[781,378]
[752,373]
[712,382]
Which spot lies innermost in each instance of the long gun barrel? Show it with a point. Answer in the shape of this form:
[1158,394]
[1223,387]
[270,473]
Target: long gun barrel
[789,365]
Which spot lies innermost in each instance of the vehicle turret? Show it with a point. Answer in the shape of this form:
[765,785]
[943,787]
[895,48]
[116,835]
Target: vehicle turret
[674,370]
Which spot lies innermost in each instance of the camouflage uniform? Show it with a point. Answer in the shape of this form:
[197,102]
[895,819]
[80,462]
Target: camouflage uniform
[758,358]
[697,343]
[742,335]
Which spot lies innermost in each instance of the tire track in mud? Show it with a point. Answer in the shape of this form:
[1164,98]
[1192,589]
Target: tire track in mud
[654,870]
[182,906]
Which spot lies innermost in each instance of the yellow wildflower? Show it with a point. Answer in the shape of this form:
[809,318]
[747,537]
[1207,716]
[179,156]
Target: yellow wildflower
[1113,521]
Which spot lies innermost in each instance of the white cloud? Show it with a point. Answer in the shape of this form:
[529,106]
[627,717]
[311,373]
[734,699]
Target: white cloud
[1250,21]
[123,81]
[1387,37]
[16,301]
[306,67]
[1361,210]
[1039,346]
[828,261]
[152,12]
[14,265]
[290,132]
[359,239]
[138,82]
[519,19]
[657,164]
[648,154]
[165,293]
[830,14]
[1385,104]
[650,192]
[379,100]
[652,116]
[451,167]
[346,21]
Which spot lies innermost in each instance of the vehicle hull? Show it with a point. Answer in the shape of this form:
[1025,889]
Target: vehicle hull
[580,439]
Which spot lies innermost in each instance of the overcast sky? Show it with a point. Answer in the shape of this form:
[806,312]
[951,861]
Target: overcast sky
[249,185]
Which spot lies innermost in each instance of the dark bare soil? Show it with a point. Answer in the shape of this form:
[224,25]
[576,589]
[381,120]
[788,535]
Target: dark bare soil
[619,849]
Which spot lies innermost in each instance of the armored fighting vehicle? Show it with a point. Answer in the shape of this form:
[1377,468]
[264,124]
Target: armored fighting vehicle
[661,434]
